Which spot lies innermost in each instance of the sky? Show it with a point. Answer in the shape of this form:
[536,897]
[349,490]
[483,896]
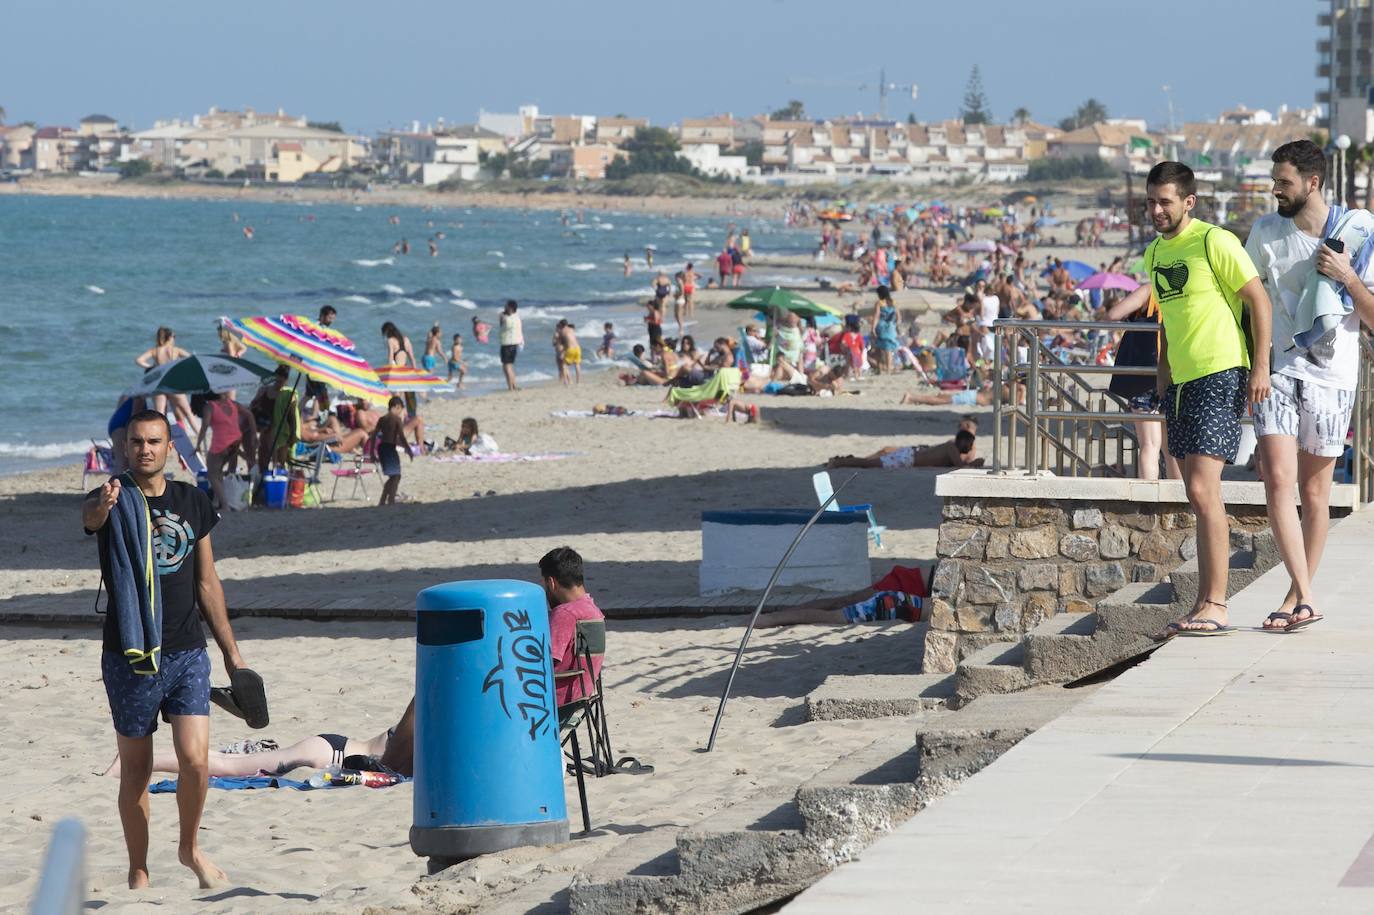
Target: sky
[373,66]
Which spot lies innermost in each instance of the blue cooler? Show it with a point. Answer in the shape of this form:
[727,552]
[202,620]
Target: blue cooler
[488,765]
[274,489]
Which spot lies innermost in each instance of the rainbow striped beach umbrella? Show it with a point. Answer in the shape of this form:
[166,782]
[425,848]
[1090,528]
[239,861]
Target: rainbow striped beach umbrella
[401,378]
[324,355]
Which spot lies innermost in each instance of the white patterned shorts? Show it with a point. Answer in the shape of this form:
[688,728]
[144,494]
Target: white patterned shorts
[1316,414]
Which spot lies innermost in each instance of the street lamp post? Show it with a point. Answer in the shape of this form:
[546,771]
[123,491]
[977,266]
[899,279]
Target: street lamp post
[1342,144]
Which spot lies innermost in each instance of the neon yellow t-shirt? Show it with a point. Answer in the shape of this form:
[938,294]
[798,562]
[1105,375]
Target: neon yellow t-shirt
[1198,302]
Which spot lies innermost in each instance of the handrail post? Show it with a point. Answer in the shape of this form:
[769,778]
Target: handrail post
[997,368]
[1033,409]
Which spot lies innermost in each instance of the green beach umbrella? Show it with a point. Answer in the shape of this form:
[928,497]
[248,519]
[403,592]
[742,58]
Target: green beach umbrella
[785,299]
[199,375]
[1138,266]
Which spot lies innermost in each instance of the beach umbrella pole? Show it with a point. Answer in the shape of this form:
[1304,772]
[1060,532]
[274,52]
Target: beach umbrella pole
[777,572]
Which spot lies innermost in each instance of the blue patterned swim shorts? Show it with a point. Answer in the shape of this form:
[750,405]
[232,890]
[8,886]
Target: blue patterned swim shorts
[181,686]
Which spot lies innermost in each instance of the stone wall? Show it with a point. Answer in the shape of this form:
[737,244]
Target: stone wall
[1007,564]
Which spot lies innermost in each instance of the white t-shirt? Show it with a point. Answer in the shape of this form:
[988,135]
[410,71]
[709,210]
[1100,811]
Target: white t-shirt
[511,334]
[991,306]
[1285,256]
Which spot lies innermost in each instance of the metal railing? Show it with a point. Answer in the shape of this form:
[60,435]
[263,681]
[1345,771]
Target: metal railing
[1049,414]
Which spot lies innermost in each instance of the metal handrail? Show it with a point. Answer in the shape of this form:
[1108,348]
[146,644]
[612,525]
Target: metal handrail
[1037,415]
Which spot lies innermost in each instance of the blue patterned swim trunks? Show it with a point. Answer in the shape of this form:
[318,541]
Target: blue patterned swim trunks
[181,686]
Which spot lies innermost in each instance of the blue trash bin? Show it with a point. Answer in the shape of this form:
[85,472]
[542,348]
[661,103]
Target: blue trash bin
[488,764]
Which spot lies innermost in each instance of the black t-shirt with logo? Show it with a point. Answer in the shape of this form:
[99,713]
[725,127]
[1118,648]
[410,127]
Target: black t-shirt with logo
[181,516]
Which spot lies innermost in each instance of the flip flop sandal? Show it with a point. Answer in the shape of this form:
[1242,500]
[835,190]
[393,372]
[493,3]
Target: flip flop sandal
[628,765]
[245,698]
[1215,629]
[1277,615]
[1313,618]
[1167,633]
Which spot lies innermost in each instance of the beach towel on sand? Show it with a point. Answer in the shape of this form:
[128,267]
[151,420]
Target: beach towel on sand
[509,457]
[135,593]
[245,783]
[590,414]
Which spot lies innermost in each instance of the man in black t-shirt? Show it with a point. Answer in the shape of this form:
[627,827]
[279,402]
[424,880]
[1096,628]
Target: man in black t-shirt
[180,689]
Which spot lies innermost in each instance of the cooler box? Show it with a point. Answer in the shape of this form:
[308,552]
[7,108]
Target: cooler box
[274,487]
[740,549]
[488,765]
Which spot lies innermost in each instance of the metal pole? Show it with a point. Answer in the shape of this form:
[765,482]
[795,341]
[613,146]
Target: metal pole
[777,573]
[1033,407]
[999,336]
[62,885]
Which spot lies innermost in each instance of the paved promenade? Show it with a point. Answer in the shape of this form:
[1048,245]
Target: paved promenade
[1231,774]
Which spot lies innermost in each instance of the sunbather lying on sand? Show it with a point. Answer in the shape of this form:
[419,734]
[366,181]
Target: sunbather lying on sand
[392,749]
[960,451]
[895,596]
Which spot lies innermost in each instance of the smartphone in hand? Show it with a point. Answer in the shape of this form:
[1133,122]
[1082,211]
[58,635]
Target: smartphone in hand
[1335,244]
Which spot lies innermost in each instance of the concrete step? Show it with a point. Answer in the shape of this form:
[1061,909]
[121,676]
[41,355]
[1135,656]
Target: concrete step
[632,877]
[877,695]
[1069,646]
[995,668]
[857,799]
[954,747]
[1138,609]
[1241,573]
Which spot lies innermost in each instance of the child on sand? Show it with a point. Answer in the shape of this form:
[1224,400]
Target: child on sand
[391,436]
[607,348]
[455,360]
[572,352]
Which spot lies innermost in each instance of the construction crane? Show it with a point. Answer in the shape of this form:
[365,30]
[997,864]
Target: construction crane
[882,85]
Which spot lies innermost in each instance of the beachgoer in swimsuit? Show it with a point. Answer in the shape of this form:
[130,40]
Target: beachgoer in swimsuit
[689,288]
[481,330]
[455,360]
[572,351]
[885,320]
[163,351]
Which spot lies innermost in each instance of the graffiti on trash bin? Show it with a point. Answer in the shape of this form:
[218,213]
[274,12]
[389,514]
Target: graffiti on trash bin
[522,666]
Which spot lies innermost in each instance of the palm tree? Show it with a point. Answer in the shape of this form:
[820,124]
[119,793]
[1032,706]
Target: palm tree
[1091,112]
[1020,116]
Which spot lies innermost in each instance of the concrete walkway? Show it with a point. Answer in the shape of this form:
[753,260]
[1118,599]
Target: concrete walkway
[1228,774]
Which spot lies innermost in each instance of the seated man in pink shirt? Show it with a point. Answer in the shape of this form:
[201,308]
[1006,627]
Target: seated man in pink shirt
[560,572]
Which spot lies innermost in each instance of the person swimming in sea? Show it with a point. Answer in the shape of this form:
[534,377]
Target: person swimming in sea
[481,330]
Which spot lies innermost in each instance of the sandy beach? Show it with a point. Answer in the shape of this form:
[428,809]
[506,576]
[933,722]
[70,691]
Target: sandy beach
[627,494]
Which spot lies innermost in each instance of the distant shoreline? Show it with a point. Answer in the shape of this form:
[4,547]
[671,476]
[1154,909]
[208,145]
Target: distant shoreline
[409,196]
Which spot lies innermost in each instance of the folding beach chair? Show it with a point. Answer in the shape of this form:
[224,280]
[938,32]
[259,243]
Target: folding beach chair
[951,368]
[186,451]
[825,489]
[99,462]
[590,710]
[308,459]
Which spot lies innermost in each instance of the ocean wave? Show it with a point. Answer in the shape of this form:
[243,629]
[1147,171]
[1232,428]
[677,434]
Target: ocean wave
[605,226]
[359,299]
[469,304]
[379,262]
[456,293]
[497,253]
[501,264]
[43,452]
[534,376]
[418,303]
[96,289]
[394,290]
[582,266]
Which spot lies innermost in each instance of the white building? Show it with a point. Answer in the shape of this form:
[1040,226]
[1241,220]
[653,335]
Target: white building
[707,159]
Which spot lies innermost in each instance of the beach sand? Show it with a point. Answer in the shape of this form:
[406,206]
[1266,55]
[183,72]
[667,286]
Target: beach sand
[629,499]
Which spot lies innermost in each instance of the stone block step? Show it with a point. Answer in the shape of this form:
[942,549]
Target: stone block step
[877,695]
[1067,647]
[1241,573]
[953,747]
[995,668]
[1140,608]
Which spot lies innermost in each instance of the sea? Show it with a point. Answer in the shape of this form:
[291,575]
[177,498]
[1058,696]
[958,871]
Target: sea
[86,282]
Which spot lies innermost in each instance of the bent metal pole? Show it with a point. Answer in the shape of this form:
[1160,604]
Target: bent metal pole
[739,655]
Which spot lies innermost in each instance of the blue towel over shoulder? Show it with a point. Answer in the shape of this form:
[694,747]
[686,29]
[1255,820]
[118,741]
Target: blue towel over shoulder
[135,593]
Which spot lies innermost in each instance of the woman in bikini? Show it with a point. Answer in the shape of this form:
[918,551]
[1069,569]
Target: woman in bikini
[689,287]
[392,749]
[163,351]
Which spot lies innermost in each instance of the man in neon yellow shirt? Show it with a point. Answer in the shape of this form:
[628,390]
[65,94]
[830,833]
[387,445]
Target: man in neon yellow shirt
[1203,280]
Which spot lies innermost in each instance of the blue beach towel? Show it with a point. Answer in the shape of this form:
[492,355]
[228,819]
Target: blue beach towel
[135,593]
[235,783]
[1324,303]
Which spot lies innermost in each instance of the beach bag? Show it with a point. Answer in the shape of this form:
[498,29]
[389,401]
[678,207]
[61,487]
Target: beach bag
[295,493]
[238,492]
[1138,348]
